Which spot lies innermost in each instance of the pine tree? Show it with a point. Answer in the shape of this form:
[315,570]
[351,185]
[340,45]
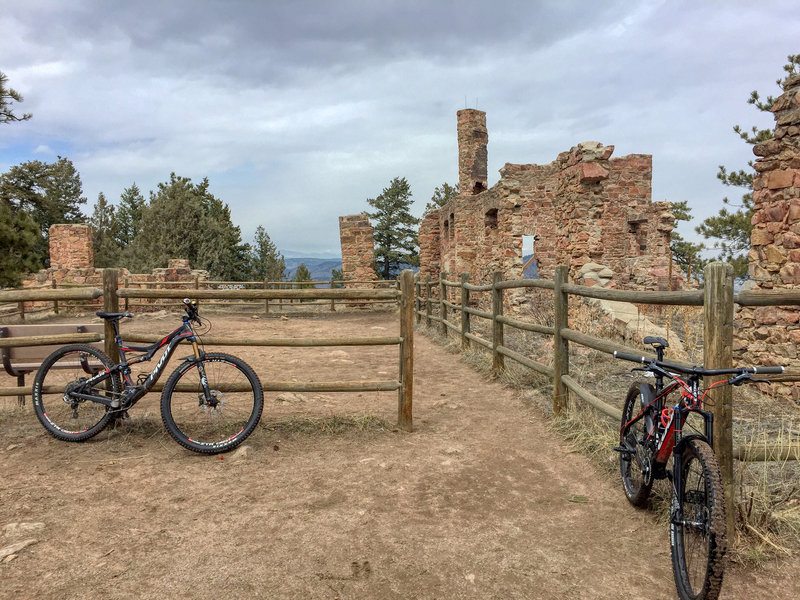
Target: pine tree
[441,196]
[129,215]
[731,229]
[686,254]
[184,220]
[49,192]
[302,273]
[395,228]
[7,98]
[104,234]
[19,234]
[266,262]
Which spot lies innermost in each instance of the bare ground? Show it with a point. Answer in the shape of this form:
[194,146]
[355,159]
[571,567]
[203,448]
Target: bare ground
[483,500]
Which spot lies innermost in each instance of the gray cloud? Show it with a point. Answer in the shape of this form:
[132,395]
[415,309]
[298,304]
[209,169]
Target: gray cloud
[299,111]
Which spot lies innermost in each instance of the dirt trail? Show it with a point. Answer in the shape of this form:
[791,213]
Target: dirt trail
[481,501]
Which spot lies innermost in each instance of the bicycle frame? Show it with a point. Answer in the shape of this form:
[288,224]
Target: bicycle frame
[134,392]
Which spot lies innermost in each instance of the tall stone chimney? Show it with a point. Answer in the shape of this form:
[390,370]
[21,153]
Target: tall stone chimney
[472,156]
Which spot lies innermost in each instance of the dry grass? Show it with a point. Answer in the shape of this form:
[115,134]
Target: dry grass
[768,494]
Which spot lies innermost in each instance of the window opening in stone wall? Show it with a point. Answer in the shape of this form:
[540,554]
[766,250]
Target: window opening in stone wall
[490,221]
[639,233]
[452,224]
[530,265]
[446,228]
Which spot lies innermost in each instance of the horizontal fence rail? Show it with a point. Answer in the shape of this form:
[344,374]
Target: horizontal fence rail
[425,303]
[400,291]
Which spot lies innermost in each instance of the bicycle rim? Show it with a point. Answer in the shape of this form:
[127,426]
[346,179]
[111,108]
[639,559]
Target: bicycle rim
[698,540]
[220,422]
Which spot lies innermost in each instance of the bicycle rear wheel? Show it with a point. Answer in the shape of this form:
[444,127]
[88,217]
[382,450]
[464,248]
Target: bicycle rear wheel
[64,373]
[218,423]
[698,537]
[635,467]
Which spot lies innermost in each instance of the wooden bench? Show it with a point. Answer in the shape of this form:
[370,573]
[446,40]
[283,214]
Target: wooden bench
[20,360]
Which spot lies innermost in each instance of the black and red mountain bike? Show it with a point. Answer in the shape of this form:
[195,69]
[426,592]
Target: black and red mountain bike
[655,421]
[210,403]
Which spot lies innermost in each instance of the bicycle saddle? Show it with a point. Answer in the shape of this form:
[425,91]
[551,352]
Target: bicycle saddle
[657,342]
[114,316]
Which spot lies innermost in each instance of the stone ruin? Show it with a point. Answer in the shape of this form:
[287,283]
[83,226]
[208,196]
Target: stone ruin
[584,209]
[72,262]
[771,334]
[358,248]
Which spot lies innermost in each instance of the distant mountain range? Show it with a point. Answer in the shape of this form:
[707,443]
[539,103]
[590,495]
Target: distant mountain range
[320,268]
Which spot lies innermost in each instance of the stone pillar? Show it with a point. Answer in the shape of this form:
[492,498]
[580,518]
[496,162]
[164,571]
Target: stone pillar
[770,335]
[71,247]
[358,248]
[430,246]
[472,156]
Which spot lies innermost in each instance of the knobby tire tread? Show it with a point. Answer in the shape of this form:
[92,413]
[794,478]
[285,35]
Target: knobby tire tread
[39,381]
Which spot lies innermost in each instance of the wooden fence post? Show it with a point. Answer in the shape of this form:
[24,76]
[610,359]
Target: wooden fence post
[405,393]
[718,354]
[560,345]
[428,300]
[21,305]
[55,302]
[127,283]
[333,302]
[442,298]
[465,324]
[110,304]
[498,360]
[418,301]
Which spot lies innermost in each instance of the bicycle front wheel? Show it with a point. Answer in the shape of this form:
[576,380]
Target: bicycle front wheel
[697,525]
[64,374]
[221,420]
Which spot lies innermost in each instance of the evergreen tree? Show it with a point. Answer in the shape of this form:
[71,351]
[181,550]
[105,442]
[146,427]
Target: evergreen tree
[302,273]
[731,229]
[49,192]
[7,98]
[395,232]
[267,263]
[19,234]
[129,215]
[184,220]
[686,254]
[337,276]
[441,196]
[104,234]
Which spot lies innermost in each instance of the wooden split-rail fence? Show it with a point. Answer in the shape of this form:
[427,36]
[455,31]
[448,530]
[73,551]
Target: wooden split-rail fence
[435,306]
[402,292]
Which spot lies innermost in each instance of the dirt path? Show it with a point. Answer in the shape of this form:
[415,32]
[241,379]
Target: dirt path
[481,501]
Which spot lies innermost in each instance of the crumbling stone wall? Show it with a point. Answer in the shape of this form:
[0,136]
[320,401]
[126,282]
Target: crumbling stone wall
[583,207]
[71,247]
[72,262]
[358,248]
[771,335]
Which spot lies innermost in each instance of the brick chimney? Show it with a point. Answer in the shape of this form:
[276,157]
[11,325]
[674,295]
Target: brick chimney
[472,156]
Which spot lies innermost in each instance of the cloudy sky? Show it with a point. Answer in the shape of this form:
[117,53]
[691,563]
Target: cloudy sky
[298,111]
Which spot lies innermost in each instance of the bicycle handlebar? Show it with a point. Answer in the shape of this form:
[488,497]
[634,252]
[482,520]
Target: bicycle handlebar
[652,362]
[191,309]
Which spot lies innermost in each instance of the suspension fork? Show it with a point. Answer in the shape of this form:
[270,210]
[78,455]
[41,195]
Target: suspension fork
[201,369]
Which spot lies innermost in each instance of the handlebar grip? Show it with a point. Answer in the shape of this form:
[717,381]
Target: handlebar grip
[768,370]
[631,357]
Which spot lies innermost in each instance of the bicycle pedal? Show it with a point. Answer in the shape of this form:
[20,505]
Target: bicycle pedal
[621,450]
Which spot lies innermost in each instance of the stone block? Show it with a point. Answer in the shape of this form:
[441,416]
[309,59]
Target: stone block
[780,179]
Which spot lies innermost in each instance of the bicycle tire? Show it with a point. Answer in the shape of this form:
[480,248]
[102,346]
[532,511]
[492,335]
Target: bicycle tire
[65,417]
[208,429]
[635,482]
[698,552]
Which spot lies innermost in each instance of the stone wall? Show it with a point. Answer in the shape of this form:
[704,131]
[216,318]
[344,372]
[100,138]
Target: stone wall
[72,263]
[358,248]
[583,207]
[771,335]
[71,247]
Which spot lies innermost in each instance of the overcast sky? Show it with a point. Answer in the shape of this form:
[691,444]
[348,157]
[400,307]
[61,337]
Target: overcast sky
[299,111]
